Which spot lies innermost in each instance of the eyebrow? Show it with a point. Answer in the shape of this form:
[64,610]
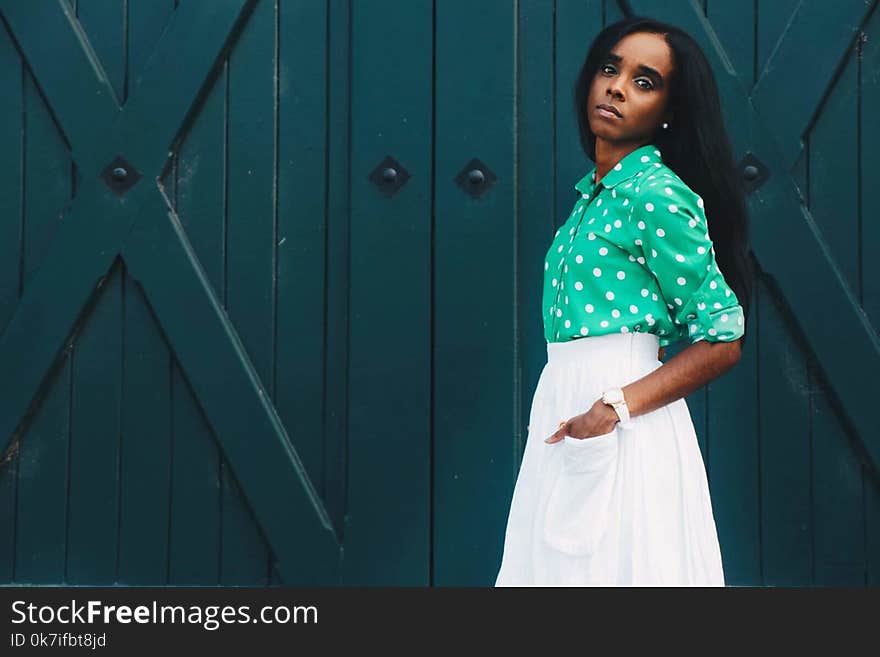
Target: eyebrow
[614,57]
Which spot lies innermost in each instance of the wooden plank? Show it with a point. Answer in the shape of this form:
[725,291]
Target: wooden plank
[784,399]
[735,25]
[814,21]
[335,348]
[537,210]
[41,514]
[311,249]
[388,521]
[245,554]
[200,177]
[698,406]
[733,455]
[195,531]
[41,518]
[476,368]
[11,200]
[146,447]
[838,505]
[833,185]
[93,488]
[8,501]
[235,402]
[872,526]
[869,239]
[249,254]
[833,189]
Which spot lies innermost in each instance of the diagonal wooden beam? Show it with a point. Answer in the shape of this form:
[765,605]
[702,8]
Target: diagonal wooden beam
[780,80]
[64,66]
[81,252]
[842,340]
[90,235]
[235,402]
[179,88]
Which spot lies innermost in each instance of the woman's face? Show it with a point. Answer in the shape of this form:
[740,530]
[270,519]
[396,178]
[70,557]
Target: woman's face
[634,79]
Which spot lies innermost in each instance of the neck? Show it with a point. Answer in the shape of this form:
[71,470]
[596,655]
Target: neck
[609,153]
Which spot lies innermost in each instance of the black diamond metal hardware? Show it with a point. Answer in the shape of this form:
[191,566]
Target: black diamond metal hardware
[120,176]
[753,171]
[475,178]
[389,176]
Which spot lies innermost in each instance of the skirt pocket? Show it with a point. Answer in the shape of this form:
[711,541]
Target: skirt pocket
[579,503]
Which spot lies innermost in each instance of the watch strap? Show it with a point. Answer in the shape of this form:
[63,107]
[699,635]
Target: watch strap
[622,411]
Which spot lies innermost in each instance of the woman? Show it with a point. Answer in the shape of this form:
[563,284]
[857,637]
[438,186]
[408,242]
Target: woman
[617,494]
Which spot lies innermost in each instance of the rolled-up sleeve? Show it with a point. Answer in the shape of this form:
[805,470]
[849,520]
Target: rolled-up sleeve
[674,237]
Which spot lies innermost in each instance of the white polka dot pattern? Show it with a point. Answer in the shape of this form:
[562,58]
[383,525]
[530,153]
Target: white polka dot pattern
[647,265]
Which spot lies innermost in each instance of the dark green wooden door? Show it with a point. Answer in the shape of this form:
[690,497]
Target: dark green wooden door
[270,285]
[153,322]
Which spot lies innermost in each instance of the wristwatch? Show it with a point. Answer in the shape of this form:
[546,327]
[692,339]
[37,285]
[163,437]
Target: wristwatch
[614,398]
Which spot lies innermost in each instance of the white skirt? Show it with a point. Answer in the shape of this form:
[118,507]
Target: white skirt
[627,508]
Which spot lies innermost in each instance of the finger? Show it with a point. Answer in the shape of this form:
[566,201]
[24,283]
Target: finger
[557,435]
[553,437]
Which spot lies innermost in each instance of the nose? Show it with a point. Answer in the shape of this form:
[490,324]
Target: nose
[615,90]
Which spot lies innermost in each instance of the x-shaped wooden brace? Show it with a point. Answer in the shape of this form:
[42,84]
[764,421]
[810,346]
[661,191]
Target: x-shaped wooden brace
[143,227]
[843,341]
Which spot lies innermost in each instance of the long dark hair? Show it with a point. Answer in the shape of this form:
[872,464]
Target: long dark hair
[695,145]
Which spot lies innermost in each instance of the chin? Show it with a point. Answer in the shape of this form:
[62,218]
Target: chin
[603,132]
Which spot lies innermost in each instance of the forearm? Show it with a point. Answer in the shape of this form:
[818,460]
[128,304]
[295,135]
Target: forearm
[684,373]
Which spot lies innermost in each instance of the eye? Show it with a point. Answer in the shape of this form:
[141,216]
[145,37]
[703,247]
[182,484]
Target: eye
[650,84]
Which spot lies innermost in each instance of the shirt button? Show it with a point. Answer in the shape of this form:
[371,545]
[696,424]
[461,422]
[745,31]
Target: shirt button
[691,316]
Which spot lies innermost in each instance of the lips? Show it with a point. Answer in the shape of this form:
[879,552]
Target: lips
[610,108]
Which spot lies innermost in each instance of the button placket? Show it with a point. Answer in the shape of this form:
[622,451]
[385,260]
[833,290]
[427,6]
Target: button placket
[572,234]
[589,198]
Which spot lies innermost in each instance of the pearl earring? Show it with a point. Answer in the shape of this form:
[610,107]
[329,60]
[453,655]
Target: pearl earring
[665,125]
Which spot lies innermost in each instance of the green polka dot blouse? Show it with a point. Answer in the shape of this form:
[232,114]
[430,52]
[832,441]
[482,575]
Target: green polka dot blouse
[635,255]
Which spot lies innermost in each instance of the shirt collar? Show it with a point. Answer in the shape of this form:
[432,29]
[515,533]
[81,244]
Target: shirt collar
[633,162]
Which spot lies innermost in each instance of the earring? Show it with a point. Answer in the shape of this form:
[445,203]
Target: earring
[665,125]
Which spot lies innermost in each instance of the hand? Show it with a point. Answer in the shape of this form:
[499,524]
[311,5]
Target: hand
[599,420]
